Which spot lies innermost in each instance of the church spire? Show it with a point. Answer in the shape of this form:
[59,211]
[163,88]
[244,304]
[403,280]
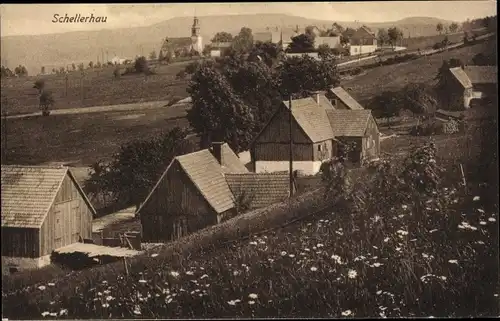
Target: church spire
[195,29]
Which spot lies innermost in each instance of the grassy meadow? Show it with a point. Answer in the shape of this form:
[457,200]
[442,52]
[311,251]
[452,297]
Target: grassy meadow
[100,88]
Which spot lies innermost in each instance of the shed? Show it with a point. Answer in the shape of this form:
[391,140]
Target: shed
[191,194]
[43,209]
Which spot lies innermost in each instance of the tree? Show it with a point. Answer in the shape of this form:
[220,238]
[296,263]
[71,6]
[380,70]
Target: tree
[222,36]
[98,65]
[161,57]
[81,67]
[135,169]
[91,65]
[310,31]
[300,76]
[394,34]
[141,65]
[301,44]
[73,66]
[439,27]
[419,99]
[386,105]
[46,100]
[324,51]
[21,71]
[453,27]
[62,70]
[269,52]
[116,72]
[6,72]
[243,42]
[484,59]
[152,55]
[383,36]
[39,85]
[217,113]
[42,71]
[206,50]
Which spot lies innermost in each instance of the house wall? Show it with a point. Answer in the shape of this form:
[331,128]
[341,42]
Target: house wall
[175,201]
[23,263]
[215,53]
[68,220]
[371,141]
[332,42]
[305,167]
[361,49]
[324,150]
[278,130]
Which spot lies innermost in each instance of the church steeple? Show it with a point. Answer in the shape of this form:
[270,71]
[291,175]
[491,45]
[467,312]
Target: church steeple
[195,29]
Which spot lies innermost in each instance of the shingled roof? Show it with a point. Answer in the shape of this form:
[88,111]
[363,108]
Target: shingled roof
[347,99]
[28,192]
[230,161]
[262,189]
[207,175]
[349,123]
[312,118]
[481,74]
[461,76]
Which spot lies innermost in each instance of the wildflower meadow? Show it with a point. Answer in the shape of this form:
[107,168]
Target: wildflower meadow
[401,243]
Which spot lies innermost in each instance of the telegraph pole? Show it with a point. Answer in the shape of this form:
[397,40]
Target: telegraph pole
[291,144]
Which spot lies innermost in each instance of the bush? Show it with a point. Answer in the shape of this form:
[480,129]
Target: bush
[427,128]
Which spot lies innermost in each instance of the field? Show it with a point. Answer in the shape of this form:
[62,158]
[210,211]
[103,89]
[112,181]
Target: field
[82,139]
[100,88]
[393,77]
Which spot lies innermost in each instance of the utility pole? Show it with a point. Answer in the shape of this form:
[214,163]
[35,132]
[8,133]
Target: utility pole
[66,83]
[291,144]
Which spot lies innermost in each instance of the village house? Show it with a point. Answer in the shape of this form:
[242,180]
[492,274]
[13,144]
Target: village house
[362,41]
[470,83]
[281,36]
[202,189]
[319,132]
[43,209]
[331,42]
[340,99]
[218,49]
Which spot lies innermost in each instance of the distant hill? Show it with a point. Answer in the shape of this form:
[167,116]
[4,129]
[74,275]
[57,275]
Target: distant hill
[56,50]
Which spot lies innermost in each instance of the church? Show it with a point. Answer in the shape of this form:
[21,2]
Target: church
[184,45]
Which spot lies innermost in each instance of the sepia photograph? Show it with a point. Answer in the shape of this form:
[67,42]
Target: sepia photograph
[249,160]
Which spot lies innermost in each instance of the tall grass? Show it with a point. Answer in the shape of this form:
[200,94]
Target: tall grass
[387,256]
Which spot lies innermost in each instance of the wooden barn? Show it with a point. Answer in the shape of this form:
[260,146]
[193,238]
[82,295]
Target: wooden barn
[318,131]
[468,84]
[43,209]
[198,190]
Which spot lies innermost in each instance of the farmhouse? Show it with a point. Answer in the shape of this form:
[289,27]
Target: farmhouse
[319,132]
[282,36]
[43,209]
[362,41]
[205,188]
[470,83]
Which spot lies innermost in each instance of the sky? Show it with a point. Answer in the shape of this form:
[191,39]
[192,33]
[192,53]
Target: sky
[32,19]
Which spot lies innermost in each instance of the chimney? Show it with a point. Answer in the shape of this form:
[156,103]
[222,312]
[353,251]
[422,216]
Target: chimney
[316,96]
[217,151]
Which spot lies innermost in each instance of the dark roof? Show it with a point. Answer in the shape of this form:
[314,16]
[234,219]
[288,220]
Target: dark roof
[28,192]
[363,32]
[179,41]
[481,74]
[347,99]
[461,76]
[207,175]
[349,123]
[312,118]
[262,189]
[231,162]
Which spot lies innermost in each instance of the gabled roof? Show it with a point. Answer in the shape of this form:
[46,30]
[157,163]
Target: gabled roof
[347,99]
[231,162]
[461,76]
[363,32]
[482,74]
[207,175]
[260,189]
[179,41]
[28,192]
[312,118]
[349,123]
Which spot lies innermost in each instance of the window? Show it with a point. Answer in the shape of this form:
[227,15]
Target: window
[320,148]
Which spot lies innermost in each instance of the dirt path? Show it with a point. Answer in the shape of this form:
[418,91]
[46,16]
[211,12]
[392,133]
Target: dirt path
[99,109]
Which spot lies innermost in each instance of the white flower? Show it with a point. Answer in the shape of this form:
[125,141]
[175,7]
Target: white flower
[480,210]
[319,245]
[346,313]
[377,264]
[204,276]
[379,292]
[46,313]
[232,302]
[402,232]
[253,243]
[235,273]
[142,281]
[386,240]
[63,312]
[51,284]
[154,255]
[307,249]
[169,300]
[404,206]
[291,255]
[53,314]
[476,198]
[337,259]
[314,269]
[41,287]
[174,274]
[492,219]
[495,295]
[482,223]
[190,273]
[105,305]
[137,310]
[283,253]
[251,302]
[442,277]
[432,231]
[453,261]
[352,274]
[253,296]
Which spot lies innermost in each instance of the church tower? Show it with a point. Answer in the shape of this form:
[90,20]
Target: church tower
[197,43]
